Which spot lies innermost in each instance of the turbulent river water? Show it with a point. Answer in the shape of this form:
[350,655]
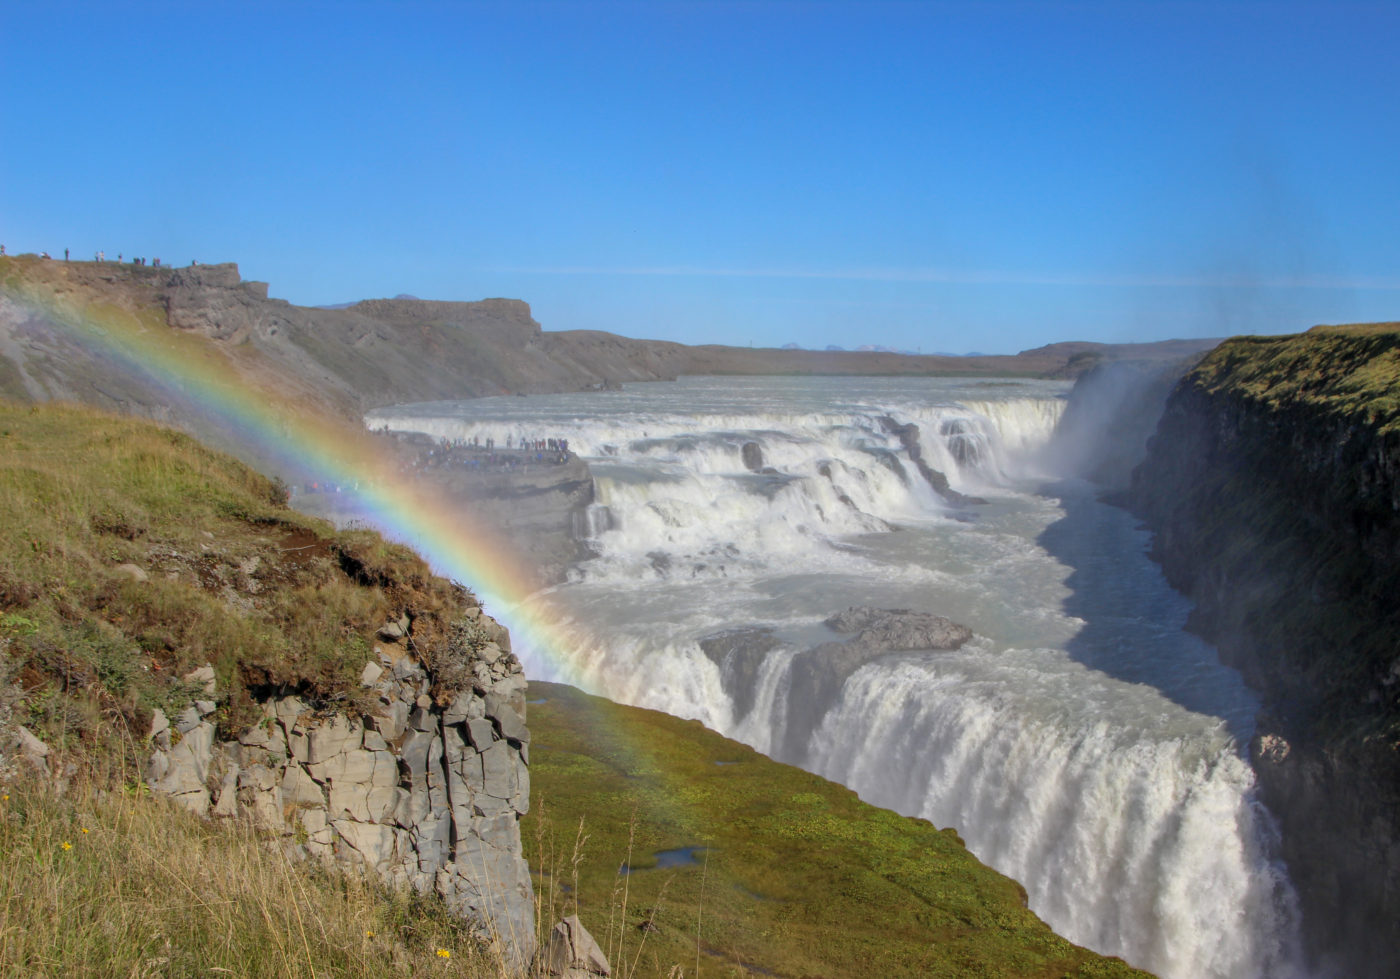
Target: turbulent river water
[1082,742]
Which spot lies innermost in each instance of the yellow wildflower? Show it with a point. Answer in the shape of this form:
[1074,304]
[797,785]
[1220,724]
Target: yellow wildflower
[444,953]
[85,829]
[67,845]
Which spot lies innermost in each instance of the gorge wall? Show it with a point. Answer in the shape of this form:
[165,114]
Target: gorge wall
[1273,486]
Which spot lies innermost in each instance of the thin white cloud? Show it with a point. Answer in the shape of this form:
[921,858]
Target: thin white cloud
[977,277]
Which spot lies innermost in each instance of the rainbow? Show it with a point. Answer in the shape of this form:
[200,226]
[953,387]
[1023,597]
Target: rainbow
[209,389]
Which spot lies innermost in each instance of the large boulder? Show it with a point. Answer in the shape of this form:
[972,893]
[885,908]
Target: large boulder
[898,628]
[572,952]
[818,674]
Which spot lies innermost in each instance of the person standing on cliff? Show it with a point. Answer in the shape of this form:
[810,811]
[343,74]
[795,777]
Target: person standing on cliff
[65,254]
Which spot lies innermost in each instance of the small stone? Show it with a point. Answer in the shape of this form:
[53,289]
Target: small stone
[132,572]
[205,707]
[33,751]
[423,719]
[288,710]
[204,675]
[481,733]
[226,805]
[159,723]
[335,736]
[374,741]
[188,720]
[392,722]
[390,631]
[424,702]
[511,726]
[370,675]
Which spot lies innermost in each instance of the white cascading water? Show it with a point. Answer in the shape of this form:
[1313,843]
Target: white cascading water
[1082,743]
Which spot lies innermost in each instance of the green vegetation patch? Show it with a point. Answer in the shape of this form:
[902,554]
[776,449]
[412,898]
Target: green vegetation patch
[130,554]
[795,876]
[1352,371]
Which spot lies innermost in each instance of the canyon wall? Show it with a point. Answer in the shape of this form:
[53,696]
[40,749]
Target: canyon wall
[1273,486]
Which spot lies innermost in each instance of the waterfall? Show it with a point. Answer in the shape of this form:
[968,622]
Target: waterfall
[1082,743]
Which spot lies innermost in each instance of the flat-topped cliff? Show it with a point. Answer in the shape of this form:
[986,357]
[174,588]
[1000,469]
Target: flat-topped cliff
[389,351]
[1273,485]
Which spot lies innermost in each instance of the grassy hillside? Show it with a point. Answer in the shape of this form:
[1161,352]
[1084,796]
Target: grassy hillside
[130,554]
[797,876]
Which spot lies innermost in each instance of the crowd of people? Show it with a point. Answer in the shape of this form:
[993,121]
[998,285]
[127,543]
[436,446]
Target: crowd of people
[480,453]
[101,256]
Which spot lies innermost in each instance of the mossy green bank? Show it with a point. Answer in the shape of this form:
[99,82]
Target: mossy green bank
[792,875]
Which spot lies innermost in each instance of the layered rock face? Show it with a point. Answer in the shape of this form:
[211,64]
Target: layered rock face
[427,796]
[1273,485]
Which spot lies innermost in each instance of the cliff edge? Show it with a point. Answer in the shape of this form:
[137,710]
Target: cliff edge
[1273,485]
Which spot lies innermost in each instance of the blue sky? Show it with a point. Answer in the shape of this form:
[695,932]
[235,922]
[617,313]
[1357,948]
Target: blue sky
[936,176]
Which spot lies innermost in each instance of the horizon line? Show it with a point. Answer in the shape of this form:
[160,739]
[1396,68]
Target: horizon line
[974,277]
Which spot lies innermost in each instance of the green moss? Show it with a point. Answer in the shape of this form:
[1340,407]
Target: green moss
[799,877]
[1352,371]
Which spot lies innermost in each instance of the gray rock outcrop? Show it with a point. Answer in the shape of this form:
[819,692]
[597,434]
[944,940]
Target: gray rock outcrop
[818,674]
[739,654]
[427,796]
[883,630]
[752,455]
[908,435]
[573,953]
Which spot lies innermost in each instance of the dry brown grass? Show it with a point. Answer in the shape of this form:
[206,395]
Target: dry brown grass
[108,883]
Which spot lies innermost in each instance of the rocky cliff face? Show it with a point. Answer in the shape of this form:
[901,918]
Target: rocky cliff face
[1273,485]
[426,795]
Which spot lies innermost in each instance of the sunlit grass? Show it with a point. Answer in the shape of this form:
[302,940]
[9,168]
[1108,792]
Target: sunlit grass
[798,876]
[99,883]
